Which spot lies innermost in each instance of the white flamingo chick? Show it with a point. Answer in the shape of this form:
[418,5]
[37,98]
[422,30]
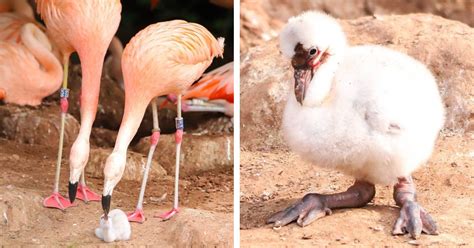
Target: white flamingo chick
[367,111]
[114,227]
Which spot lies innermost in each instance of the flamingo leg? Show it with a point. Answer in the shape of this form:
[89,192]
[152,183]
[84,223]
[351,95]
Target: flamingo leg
[56,200]
[179,138]
[138,214]
[84,193]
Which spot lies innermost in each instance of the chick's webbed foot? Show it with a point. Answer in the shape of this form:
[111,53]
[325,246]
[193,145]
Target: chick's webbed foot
[314,206]
[305,211]
[414,219]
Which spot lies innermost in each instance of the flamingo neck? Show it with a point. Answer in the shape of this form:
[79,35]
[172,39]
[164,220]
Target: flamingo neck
[133,115]
[91,64]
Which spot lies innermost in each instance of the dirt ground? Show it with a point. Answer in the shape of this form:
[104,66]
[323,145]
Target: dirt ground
[27,177]
[272,180]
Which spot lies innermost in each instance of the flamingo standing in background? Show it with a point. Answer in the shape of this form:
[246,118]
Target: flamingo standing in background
[164,58]
[34,55]
[10,26]
[214,92]
[24,42]
[87,27]
[112,64]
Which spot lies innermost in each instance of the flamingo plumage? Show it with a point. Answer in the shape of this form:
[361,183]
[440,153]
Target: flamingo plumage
[10,26]
[214,85]
[25,46]
[213,92]
[164,58]
[32,53]
[86,27]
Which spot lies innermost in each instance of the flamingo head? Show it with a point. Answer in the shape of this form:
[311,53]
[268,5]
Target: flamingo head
[113,172]
[311,40]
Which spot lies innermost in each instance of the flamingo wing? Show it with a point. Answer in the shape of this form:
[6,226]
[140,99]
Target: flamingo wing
[217,84]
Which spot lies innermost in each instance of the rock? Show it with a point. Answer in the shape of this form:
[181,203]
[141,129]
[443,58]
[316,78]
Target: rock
[200,228]
[445,46]
[111,99]
[19,209]
[102,137]
[133,170]
[39,126]
[263,91]
[256,25]
[261,20]
[461,10]
[215,126]
[199,153]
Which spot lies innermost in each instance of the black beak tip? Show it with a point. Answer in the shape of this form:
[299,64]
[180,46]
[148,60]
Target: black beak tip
[106,203]
[72,191]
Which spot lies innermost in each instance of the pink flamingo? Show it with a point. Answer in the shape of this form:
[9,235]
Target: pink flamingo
[214,92]
[164,58]
[32,50]
[11,24]
[86,27]
[32,54]
[217,84]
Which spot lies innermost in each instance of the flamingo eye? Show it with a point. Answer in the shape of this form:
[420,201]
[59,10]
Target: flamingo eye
[313,51]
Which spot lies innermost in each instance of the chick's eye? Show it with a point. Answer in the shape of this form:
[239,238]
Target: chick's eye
[313,51]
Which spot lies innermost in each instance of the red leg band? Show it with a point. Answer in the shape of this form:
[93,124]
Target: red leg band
[64,105]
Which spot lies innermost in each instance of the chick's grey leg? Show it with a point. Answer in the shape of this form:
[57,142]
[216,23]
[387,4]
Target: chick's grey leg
[413,218]
[314,206]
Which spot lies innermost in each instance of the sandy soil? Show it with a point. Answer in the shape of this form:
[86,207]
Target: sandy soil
[27,177]
[272,180]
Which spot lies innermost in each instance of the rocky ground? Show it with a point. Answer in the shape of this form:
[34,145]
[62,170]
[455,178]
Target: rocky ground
[272,177]
[271,181]
[28,148]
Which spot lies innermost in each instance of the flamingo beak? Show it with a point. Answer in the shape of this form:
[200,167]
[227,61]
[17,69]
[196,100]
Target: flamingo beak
[72,191]
[106,204]
[107,196]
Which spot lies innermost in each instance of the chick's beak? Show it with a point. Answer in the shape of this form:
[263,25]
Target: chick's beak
[302,79]
[305,66]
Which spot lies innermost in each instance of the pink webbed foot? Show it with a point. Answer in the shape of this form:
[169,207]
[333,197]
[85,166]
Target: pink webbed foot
[137,216]
[414,220]
[85,194]
[168,215]
[57,201]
